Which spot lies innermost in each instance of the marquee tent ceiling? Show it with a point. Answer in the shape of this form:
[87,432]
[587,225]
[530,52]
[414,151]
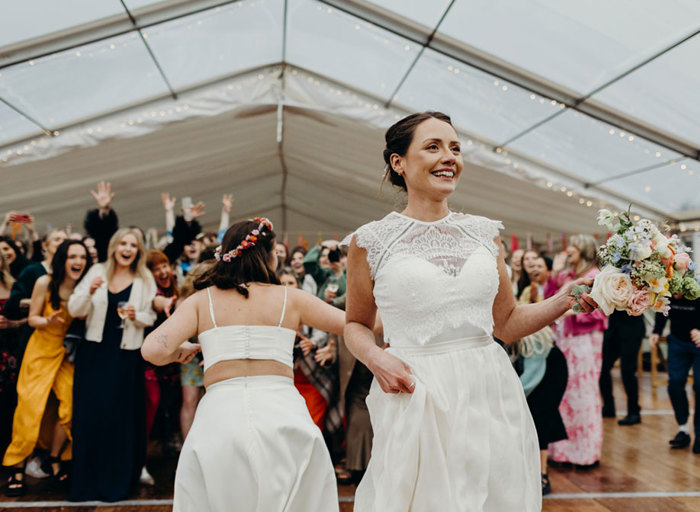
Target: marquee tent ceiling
[563,106]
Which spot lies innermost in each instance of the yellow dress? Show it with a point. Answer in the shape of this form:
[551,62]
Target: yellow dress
[44,368]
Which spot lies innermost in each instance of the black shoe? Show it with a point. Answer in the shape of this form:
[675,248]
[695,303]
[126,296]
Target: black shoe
[546,486]
[682,440]
[559,464]
[608,412]
[58,479]
[15,486]
[696,444]
[630,419]
[586,467]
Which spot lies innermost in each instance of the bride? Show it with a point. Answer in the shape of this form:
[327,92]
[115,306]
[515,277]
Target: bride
[452,429]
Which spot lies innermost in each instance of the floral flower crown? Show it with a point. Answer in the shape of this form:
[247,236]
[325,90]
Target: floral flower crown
[250,240]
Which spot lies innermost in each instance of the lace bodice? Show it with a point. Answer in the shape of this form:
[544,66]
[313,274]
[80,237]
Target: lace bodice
[433,281]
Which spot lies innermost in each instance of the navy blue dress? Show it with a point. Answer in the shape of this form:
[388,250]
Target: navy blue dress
[109,426]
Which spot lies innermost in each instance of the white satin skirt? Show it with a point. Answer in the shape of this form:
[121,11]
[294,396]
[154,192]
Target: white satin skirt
[254,448]
[463,441]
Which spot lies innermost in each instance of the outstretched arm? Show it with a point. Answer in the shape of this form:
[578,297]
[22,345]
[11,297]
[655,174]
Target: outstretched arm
[168,206]
[225,222]
[168,343]
[512,321]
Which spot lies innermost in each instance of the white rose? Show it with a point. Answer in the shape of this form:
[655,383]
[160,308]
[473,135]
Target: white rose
[640,250]
[659,238]
[663,249]
[606,218]
[612,289]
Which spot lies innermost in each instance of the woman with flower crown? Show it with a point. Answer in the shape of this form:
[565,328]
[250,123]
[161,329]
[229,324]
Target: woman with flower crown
[253,446]
[452,429]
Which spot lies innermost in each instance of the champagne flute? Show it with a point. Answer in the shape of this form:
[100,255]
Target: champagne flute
[121,311]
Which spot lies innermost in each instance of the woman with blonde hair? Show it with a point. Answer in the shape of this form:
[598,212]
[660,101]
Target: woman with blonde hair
[109,427]
[580,338]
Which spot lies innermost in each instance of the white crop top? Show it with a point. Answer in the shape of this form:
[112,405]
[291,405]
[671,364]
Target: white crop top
[229,342]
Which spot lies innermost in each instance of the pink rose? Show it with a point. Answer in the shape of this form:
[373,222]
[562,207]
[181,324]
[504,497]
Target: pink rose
[639,303]
[681,262]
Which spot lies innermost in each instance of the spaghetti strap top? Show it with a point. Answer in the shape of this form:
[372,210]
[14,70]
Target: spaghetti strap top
[229,342]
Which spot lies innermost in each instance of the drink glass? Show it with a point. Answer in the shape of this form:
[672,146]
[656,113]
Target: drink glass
[121,311]
[332,287]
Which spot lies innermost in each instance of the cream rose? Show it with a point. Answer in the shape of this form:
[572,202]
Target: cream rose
[639,303]
[612,289]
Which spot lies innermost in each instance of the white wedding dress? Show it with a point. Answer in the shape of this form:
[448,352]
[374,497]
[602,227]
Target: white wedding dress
[464,441]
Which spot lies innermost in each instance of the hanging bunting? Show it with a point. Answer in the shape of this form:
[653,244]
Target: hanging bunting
[549,243]
[514,245]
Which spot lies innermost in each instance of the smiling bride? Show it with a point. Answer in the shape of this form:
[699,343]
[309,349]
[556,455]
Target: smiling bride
[452,429]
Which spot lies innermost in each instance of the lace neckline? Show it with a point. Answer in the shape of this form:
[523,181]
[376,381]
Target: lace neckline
[426,223]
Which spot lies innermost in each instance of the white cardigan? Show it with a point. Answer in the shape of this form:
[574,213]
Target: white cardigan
[81,304]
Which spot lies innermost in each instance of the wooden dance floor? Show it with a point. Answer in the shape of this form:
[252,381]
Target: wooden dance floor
[638,472]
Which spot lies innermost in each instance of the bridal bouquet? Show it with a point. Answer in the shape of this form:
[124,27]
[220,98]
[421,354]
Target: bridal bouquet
[642,268]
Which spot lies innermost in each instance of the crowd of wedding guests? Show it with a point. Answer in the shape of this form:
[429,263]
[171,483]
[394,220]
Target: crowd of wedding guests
[79,405]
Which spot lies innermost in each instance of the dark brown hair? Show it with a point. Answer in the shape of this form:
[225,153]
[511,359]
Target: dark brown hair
[58,270]
[252,266]
[399,137]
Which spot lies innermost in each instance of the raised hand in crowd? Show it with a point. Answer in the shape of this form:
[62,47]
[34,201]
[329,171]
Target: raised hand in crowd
[306,345]
[31,228]
[227,203]
[197,210]
[168,202]
[101,223]
[95,284]
[559,263]
[329,294]
[103,197]
[226,206]
[324,355]
[169,207]
[165,304]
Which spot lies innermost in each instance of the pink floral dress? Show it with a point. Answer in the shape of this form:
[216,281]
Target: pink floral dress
[580,338]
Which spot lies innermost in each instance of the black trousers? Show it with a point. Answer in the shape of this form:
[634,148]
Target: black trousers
[622,341]
[682,354]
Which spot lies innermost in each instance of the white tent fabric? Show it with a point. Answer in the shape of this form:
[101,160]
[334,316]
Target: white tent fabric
[563,108]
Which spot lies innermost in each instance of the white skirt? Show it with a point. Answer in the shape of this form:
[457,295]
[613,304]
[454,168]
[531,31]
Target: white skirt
[463,441]
[253,447]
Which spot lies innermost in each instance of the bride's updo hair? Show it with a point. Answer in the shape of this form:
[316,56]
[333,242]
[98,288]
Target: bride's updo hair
[253,265]
[399,136]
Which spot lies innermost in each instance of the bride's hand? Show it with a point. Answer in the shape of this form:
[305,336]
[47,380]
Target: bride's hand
[392,374]
[586,302]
